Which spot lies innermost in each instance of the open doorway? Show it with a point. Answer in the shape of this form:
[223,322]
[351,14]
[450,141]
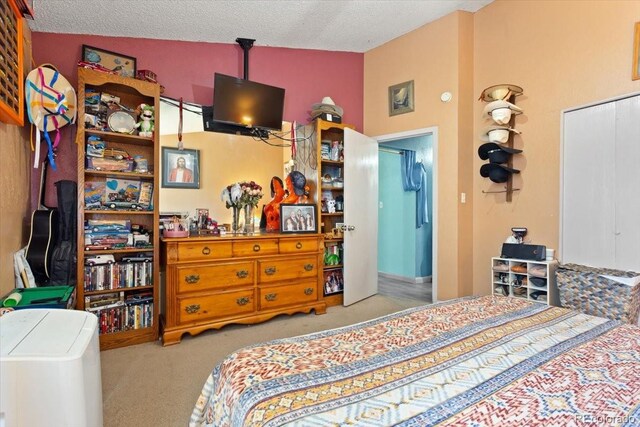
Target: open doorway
[407,244]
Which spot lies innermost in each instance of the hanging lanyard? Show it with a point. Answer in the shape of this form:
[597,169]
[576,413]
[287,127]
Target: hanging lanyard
[294,147]
[180,144]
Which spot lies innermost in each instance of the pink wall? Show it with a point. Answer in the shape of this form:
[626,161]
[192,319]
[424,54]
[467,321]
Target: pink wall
[186,70]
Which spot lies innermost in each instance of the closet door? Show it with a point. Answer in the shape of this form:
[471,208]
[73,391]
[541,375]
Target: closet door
[588,197]
[627,184]
[601,185]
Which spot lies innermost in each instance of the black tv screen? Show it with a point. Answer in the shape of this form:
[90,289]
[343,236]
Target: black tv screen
[248,104]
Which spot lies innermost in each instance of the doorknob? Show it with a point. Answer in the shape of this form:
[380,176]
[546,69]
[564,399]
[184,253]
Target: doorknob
[345,227]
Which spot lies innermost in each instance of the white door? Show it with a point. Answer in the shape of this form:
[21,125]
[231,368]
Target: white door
[627,184]
[588,203]
[360,217]
[601,185]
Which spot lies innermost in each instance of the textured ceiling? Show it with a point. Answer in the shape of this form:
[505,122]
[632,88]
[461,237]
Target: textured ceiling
[335,25]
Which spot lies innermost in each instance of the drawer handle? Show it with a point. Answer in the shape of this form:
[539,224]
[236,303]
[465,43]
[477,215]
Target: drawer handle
[191,279]
[242,274]
[308,291]
[193,308]
[270,271]
[270,297]
[308,267]
[299,245]
[256,248]
[206,250]
[242,301]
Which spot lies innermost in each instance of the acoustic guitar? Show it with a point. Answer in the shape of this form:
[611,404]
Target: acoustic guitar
[44,233]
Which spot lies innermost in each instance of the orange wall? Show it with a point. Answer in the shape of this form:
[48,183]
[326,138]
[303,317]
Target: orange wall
[224,160]
[563,54]
[438,58]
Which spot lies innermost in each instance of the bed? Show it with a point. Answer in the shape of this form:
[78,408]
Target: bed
[475,361]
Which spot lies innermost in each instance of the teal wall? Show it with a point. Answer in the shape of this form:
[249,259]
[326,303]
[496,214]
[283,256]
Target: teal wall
[404,250]
[396,220]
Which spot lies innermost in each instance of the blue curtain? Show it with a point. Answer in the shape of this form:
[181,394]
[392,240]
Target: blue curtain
[414,178]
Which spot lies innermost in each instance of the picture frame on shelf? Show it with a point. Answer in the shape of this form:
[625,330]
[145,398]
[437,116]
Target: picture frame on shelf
[123,65]
[298,218]
[401,99]
[636,53]
[180,168]
[333,281]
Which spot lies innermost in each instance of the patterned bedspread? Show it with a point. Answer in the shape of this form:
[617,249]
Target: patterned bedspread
[477,361]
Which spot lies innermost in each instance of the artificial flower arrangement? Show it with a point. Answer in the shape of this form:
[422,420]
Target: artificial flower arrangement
[242,194]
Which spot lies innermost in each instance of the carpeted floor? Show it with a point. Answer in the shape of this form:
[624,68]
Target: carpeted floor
[151,385]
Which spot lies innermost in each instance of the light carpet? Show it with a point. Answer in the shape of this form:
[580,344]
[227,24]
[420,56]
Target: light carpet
[151,385]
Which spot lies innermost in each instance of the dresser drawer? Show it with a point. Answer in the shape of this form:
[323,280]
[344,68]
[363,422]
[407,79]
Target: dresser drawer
[188,251]
[255,247]
[289,246]
[277,296]
[275,270]
[215,276]
[195,309]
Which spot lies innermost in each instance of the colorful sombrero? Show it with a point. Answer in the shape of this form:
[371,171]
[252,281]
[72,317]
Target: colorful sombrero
[51,103]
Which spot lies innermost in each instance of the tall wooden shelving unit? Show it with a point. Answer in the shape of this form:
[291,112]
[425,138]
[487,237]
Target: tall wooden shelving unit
[329,131]
[132,92]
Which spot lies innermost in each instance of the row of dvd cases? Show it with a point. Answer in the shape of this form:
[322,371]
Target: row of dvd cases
[117,275]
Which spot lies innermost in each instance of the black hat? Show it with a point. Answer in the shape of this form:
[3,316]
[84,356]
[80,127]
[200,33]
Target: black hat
[497,172]
[496,153]
[299,181]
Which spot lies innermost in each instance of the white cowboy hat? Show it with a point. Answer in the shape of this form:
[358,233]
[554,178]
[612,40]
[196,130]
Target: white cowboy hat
[326,106]
[500,92]
[500,111]
[497,133]
[51,100]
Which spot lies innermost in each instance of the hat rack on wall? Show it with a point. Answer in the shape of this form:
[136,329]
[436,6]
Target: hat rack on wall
[502,110]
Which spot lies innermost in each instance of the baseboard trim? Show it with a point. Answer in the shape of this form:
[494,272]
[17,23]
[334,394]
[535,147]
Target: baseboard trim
[425,279]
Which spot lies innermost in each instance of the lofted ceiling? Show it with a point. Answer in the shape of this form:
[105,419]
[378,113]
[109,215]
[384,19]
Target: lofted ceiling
[334,25]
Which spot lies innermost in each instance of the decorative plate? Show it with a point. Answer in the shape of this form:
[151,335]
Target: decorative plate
[121,122]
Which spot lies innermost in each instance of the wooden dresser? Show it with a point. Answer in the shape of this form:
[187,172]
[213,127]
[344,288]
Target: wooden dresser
[215,281]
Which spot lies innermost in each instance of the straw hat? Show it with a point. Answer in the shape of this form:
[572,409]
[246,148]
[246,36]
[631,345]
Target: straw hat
[497,133]
[326,106]
[51,100]
[500,92]
[500,111]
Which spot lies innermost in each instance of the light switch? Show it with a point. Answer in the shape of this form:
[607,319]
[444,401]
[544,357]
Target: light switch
[463,197]
[381,205]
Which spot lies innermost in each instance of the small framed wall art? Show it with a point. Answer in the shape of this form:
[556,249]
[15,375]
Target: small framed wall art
[401,98]
[122,64]
[180,168]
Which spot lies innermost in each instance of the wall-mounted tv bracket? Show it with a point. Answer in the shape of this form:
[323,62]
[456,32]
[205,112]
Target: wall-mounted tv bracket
[245,44]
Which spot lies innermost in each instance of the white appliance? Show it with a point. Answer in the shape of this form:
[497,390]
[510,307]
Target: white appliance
[50,369]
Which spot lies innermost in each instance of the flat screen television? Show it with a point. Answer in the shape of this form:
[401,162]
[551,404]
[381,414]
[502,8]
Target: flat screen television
[246,104]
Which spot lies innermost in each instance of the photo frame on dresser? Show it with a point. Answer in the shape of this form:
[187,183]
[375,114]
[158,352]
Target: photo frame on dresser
[298,218]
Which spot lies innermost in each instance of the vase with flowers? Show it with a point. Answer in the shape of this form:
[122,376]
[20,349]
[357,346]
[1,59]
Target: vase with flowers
[242,196]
